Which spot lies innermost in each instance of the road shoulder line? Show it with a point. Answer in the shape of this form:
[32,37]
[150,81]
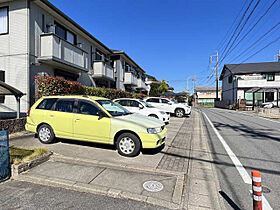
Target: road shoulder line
[242,171]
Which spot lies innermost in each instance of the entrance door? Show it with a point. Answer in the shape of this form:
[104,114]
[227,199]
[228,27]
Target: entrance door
[269,96]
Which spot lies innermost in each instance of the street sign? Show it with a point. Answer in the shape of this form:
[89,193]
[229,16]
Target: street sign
[5,170]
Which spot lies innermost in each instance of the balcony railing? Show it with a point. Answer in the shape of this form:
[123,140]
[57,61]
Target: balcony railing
[58,51]
[103,70]
[130,79]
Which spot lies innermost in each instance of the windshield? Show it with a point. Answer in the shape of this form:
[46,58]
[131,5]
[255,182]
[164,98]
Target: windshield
[113,108]
[175,101]
[146,104]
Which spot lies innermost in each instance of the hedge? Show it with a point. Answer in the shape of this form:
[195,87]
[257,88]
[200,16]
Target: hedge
[47,85]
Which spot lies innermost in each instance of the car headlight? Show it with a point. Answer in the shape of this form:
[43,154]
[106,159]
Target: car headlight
[163,113]
[154,130]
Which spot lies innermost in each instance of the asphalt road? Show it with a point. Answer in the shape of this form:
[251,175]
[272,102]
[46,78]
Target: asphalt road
[256,143]
[24,195]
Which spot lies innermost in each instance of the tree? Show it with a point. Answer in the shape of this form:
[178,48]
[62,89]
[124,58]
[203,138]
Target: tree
[154,90]
[163,87]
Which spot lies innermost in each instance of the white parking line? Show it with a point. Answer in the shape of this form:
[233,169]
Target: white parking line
[243,173]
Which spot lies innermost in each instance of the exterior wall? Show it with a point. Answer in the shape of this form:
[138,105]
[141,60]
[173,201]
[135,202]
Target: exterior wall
[209,94]
[14,55]
[119,66]
[229,90]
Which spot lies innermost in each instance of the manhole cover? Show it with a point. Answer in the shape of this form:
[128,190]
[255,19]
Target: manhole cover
[265,189]
[153,186]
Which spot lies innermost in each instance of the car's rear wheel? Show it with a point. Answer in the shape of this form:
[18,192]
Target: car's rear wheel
[128,145]
[46,134]
[179,113]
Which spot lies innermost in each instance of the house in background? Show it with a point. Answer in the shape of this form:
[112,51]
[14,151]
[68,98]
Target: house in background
[206,95]
[255,82]
[36,38]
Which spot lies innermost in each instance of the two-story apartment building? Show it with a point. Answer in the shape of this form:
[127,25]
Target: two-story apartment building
[129,75]
[206,95]
[36,38]
[258,82]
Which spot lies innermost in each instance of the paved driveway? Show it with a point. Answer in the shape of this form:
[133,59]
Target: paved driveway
[183,168]
[104,153]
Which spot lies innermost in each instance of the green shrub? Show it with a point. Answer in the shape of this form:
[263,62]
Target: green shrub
[47,85]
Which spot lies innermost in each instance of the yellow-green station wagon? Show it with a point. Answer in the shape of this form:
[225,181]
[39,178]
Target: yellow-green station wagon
[94,119]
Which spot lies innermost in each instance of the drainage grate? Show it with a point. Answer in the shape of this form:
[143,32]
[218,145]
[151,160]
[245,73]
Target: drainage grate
[153,186]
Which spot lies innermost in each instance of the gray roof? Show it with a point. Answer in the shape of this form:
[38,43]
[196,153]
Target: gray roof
[6,89]
[250,68]
[206,89]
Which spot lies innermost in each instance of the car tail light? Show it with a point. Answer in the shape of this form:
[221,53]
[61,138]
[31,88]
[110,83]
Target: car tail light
[28,113]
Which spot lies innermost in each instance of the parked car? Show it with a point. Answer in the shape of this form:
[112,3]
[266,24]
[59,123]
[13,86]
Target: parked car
[142,107]
[169,106]
[270,104]
[94,119]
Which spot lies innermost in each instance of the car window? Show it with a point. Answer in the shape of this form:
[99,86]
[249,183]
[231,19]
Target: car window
[113,108]
[46,104]
[122,102]
[153,100]
[64,106]
[133,103]
[87,108]
[165,101]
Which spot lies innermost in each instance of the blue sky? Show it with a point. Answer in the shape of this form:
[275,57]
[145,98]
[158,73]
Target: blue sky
[173,39]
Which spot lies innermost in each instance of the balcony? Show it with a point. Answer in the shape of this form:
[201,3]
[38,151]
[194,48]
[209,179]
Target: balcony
[130,79]
[103,70]
[60,53]
[258,82]
[141,84]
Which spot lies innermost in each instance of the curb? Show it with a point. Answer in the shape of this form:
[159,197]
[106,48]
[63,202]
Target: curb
[22,167]
[20,135]
[116,166]
[95,189]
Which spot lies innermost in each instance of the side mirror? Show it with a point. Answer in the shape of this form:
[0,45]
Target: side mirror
[141,106]
[169,103]
[101,114]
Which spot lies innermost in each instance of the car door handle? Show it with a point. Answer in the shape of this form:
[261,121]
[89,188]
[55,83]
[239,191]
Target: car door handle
[51,115]
[77,120]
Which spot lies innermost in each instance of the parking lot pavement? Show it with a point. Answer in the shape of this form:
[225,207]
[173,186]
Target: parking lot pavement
[104,153]
[182,167]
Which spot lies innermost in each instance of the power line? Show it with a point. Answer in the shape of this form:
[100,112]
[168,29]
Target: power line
[259,39]
[240,21]
[244,24]
[265,13]
[222,42]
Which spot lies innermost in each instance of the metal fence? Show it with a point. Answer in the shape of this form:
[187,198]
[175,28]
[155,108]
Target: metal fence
[5,169]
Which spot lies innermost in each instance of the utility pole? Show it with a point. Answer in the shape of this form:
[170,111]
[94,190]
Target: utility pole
[194,83]
[217,76]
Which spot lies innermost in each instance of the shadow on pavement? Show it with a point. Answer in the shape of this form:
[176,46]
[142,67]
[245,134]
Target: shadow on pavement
[230,202]
[107,146]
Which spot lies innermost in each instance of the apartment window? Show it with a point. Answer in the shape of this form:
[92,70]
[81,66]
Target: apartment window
[269,76]
[2,78]
[65,34]
[4,20]
[98,55]
[43,23]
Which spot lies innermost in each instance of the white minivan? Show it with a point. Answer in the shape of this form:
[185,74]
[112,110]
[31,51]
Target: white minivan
[144,108]
[171,106]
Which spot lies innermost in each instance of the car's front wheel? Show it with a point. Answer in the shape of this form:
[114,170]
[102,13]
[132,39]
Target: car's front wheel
[179,112]
[46,134]
[128,145]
